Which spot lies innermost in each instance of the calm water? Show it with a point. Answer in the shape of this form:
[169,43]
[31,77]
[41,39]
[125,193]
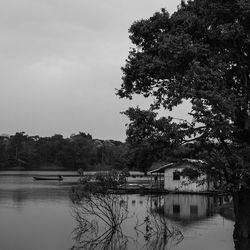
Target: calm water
[38,215]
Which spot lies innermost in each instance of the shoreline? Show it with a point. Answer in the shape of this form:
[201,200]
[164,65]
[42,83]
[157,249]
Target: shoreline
[227,211]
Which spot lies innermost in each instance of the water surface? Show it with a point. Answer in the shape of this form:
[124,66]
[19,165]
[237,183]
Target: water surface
[38,215]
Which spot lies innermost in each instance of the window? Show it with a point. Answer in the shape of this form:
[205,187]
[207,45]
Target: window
[193,210]
[176,209]
[176,176]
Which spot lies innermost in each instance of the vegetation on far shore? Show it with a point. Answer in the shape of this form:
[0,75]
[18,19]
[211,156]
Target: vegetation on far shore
[24,152]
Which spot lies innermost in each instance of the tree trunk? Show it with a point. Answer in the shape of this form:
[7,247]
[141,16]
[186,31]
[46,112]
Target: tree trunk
[242,214]
[243,244]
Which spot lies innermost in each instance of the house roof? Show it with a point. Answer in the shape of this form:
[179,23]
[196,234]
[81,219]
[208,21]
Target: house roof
[173,164]
[161,169]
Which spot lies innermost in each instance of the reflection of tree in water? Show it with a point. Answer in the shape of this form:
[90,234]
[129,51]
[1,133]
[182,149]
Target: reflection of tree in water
[99,217]
[111,239]
[158,233]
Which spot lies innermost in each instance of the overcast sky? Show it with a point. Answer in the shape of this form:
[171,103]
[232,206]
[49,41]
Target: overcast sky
[60,64]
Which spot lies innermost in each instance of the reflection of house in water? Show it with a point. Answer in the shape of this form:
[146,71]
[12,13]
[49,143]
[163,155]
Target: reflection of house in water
[174,181]
[184,207]
[188,206]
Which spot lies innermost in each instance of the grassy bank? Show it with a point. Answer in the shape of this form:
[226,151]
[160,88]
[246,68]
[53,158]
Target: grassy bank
[227,211]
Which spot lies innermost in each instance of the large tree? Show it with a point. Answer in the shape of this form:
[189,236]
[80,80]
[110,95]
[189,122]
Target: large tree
[201,54]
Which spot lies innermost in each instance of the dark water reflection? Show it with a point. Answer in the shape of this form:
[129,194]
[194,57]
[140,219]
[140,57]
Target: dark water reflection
[174,222]
[242,245]
[38,215]
[107,222]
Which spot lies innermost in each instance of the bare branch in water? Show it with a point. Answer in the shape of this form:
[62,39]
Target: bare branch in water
[99,217]
[158,232]
[96,210]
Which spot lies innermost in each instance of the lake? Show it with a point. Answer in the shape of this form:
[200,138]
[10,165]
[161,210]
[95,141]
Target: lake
[40,215]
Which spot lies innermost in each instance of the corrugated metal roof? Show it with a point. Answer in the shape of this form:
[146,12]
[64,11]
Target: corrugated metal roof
[162,168]
[158,170]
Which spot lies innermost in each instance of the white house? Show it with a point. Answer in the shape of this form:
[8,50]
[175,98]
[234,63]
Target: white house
[174,181]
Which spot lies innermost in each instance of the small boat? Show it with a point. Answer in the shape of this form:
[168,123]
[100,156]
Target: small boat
[47,178]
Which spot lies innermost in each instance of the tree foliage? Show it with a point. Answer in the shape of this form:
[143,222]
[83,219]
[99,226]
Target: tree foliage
[200,54]
[21,151]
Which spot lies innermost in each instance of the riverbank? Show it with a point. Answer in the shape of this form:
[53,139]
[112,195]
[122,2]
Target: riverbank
[227,211]
[54,167]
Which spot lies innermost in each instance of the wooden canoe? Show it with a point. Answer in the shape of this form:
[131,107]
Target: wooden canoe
[41,178]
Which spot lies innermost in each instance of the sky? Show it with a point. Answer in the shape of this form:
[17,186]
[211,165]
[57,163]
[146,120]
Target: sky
[61,62]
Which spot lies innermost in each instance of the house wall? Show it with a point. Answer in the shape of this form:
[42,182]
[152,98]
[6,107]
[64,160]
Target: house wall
[181,185]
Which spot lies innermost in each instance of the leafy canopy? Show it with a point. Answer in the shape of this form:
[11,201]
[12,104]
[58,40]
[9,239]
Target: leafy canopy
[201,54]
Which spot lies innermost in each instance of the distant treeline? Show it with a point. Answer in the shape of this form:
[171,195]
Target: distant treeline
[78,151]
[21,151]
